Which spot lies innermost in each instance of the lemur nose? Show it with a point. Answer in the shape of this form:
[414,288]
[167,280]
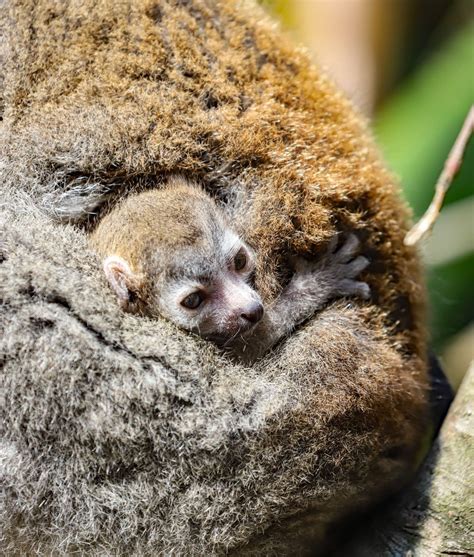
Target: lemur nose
[254,313]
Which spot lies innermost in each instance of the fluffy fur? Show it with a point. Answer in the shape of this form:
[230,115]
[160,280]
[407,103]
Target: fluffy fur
[123,435]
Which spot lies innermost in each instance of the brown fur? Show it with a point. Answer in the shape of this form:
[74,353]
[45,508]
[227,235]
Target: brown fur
[214,92]
[104,98]
[164,217]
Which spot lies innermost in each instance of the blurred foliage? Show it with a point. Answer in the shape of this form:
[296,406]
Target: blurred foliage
[283,9]
[451,297]
[416,129]
[419,123]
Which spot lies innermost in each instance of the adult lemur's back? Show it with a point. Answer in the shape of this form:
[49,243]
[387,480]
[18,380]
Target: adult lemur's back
[102,98]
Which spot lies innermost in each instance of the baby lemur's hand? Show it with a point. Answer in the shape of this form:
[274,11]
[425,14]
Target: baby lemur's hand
[334,275]
[313,285]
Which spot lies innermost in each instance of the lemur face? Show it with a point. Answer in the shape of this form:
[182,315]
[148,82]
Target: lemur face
[207,290]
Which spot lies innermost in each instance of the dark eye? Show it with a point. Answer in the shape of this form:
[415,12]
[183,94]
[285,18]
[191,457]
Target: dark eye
[193,301]
[240,260]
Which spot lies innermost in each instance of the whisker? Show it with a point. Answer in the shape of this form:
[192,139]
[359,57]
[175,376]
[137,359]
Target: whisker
[232,337]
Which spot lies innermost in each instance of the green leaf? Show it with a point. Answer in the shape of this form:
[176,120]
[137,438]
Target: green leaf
[418,126]
[416,130]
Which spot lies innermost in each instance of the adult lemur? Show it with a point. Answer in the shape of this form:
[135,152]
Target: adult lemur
[126,435]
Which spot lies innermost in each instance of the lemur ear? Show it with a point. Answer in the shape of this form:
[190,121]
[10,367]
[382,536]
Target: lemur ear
[121,278]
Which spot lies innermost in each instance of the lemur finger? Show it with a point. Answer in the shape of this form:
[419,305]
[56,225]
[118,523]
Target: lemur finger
[355,288]
[349,249]
[363,290]
[357,266]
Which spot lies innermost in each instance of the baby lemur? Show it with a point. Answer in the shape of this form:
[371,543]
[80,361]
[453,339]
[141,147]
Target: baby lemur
[172,252]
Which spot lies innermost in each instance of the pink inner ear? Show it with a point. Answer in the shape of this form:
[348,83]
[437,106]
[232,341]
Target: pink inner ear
[119,275]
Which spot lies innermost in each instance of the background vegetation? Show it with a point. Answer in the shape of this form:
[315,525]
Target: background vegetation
[409,65]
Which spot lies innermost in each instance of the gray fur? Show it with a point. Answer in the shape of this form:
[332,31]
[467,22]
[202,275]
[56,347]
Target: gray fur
[122,435]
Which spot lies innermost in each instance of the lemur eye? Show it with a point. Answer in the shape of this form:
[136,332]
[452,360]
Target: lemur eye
[193,301]
[240,260]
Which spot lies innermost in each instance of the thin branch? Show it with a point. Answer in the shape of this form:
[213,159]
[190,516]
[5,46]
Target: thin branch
[451,168]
